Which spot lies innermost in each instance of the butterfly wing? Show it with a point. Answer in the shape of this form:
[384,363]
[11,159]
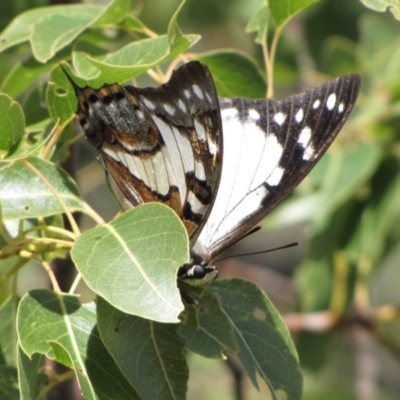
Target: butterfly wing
[269,147]
[159,144]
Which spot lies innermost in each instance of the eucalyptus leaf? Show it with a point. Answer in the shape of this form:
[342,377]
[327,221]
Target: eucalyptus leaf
[235,74]
[49,29]
[259,23]
[382,5]
[150,354]
[8,334]
[133,261]
[61,328]
[214,335]
[25,193]
[12,122]
[284,10]
[31,380]
[264,343]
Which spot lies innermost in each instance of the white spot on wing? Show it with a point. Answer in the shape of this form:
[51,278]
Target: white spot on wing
[330,103]
[308,153]
[187,93]
[212,147]
[280,118]
[182,105]
[275,177]
[195,204]
[341,107]
[198,92]
[199,171]
[253,114]
[316,104]
[110,152]
[305,136]
[228,113]
[175,147]
[299,115]
[170,110]
[148,104]
[201,133]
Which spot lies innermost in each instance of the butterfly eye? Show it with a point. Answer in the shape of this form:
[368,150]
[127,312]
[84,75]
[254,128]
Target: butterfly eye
[199,271]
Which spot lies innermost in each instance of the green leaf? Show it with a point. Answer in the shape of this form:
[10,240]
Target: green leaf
[380,218]
[23,75]
[49,29]
[259,23]
[131,60]
[30,379]
[265,346]
[12,122]
[8,335]
[60,95]
[214,335]
[150,354]
[379,50]
[63,329]
[9,383]
[24,194]
[347,170]
[133,261]
[234,74]
[176,39]
[284,10]
[36,138]
[383,5]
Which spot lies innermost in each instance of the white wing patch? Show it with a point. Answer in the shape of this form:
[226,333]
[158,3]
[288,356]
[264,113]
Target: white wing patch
[299,115]
[170,110]
[248,151]
[275,177]
[253,114]
[330,103]
[198,92]
[305,136]
[149,105]
[175,147]
[280,118]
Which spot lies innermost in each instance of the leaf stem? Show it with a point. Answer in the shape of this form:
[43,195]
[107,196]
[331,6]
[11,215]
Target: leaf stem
[269,57]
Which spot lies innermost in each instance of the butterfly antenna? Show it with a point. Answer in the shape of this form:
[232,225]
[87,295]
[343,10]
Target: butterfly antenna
[286,246]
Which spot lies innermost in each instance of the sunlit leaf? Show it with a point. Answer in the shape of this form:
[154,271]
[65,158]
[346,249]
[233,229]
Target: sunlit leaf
[382,5]
[49,29]
[25,194]
[12,122]
[259,23]
[283,10]
[133,261]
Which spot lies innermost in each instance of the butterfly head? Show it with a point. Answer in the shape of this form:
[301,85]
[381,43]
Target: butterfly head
[198,273]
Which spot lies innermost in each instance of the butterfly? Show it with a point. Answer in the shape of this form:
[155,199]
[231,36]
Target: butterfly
[222,164]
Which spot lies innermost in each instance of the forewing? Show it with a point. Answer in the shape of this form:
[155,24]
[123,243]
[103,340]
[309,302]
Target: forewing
[269,147]
[159,144]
